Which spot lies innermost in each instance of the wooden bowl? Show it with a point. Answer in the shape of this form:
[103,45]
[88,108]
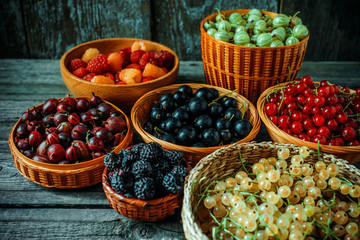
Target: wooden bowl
[141,110]
[225,162]
[65,176]
[250,70]
[351,154]
[123,96]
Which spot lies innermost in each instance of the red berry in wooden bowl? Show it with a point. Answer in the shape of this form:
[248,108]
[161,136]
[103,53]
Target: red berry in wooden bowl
[72,154]
[115,124]
[50,106]
[95,144]
[53,138]
[42,148]
[83,149]
[35,138]
[74,119]
[56,153]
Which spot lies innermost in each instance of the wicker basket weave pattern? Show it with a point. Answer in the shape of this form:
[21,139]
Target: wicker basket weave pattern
[66,176]
[250,70]
[225,162]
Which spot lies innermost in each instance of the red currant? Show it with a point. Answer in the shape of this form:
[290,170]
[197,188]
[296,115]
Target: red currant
[301,99]
[338,108]
[331,90]
[273,99]
[323,91]
[308,80]
[342,101]
[336,89]
[308,92]
[288,99]
[324,131]
[296,127]
[319,120]
[291,90]
[353,143]
[345,89]
[304,137]
[315,110]
[310,100]
[352,123]
[291,106]
[332,100]
[357,106]
[307,109]
[348,133]
[324,83]
[319,138]
[297,116]
[274,119]
[280,105]
[358,92]
[329,112]
[284,121]
[287,130]
[311,132]
[348,111]
[308,123]
[319,101]
[342,118]
[270,109]
[332,124]
[300,87]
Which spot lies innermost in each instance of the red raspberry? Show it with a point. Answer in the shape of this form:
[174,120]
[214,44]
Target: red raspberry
[134,65]
[80,72]
[109,75]
[125,53]
[153,61]
[98,64]
[135,56]
[89,76]
[76,63]
[147,79]
[165,59]
[144,59]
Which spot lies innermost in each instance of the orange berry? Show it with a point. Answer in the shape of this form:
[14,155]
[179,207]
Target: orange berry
[151,70]
[89,54]
[130,75]
[102,80]
[140,45]
[115,60]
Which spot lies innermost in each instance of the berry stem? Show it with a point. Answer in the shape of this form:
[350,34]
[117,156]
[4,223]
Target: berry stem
[221,96]
[318,150]
[158,130]
[282,100]
[242,163]
[244,110]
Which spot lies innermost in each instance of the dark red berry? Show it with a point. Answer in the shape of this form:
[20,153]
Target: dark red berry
[72,154]
[53,138]
[115,124]
[63,107]
[42,148]
[324,131]
[311,132]
[332,124]
[95,144]
[118,138]
[23,144]
[56,153]
[342,118]
[79,132]
[22,131]
[296,127]
[308,123]
[35,138]
[27,116]
[297,116]
[270,109]
[318,120]
[41,158]
[329,112]
[50,106]
[319,138]
[82,105]
[274,119]
[74,119]
[65,127]
[84,152]
[348,133]
[308,80]
[95,100]
[60,117]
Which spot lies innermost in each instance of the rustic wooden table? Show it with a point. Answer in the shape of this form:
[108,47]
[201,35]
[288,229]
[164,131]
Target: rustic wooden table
[30,211]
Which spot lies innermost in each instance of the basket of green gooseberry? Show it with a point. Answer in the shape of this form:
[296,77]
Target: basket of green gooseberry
[251,50]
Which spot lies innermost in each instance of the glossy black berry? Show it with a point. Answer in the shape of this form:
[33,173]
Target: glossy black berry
[149,127]
[233,114]
[166,96]
[181,114]
[156,114]
[222,124]
[198,145]
[242,128]
[215,93]
[205,93]
[186,136]
[172,125]
[229,102]
[226,136]
[211,137]
[167,105]
[169,138]
[180,98]
[198,106]
[186,89]
[203,122]
[216,110]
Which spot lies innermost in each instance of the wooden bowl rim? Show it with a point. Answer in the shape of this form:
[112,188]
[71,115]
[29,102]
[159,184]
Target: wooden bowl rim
[75,166]
[272,14]
[171,72]
[276,130]
[255,129]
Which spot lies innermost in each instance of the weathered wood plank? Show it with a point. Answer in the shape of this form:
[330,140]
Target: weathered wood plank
[177,23]
[12,37]
[333,34]
[53,27]
[43,223]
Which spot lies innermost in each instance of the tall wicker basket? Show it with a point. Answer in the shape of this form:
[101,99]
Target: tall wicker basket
[250,70]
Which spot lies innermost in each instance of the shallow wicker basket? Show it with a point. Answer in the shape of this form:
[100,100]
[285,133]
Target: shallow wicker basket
[351,154]
[141,210]
[250,70]
[225,162]
[141,110]
[68,175]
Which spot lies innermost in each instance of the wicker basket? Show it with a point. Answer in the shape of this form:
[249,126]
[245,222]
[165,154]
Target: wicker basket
[225,162]
[141,210]
[141,110]
[250,70]
[351,154]
[64,176]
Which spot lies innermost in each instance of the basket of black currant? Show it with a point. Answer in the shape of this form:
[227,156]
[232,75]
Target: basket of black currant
[145,182]
[196,119]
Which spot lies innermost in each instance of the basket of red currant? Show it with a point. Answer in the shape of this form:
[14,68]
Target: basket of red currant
[119,70]
[309,113]
[196,119]
[271,191]
[62,143]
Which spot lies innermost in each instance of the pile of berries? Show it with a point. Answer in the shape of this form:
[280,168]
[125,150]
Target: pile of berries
[324,113]
[128,66]
[146,171]
[200,119]
[281,198]
[69,130]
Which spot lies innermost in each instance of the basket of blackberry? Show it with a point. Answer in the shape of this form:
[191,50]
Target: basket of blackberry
[196,119]
[145,182]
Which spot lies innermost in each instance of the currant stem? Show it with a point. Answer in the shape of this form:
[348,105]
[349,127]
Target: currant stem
[221,96]
[156,129]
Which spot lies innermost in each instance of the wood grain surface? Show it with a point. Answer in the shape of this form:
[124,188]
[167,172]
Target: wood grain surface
[47,29]
[29,211]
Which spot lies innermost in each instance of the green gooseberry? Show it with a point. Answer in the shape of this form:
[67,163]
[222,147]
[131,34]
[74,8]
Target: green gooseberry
[254,38]
[234,17]
[231,35]
[220,16]
[234,26]
[294,20]
[281,20]
[277,43]
[291,41]
[211,31]
[260,23]
[253,18]
[222,36]
[241,22]
[217,25]
[209,24]
[241,38]
[224,25]
[259,29]
[279,33]
[240,28]
[249,45]
[289,32]
[300,31]
[250,25]
[255,11]
[269,22]
[264,40]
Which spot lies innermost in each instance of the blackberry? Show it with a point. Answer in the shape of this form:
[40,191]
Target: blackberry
[172,184]
[122,153]
[162,165]
[180,171]
[111,161]
[142,169]
[122,182]
[144,188]
[151,151]
[128,160]
[137,147]
[158,178]
[111,174]
[174,157]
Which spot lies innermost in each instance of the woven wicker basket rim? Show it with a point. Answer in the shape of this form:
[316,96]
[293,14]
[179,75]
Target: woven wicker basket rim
[275,129]
[174,69]
[272,14]
[69,168]
[141,131]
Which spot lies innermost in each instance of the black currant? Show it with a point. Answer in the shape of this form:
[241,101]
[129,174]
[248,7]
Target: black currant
[211,137]
[180,98]
[230,102]
[222,124]
[186,136]
[203,122]
[181,114]
[242,128]
[205,93]
[216,110]
[186,89]
[233,114]
[198,106]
